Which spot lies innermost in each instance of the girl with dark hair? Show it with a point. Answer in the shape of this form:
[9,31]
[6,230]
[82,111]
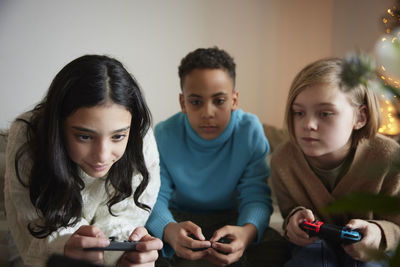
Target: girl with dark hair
[83,166]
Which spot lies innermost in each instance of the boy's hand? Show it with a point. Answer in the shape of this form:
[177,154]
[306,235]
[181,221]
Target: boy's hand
[293,231]
[86,236]
[146,253]
[364,249]
[225,254]
[177,235]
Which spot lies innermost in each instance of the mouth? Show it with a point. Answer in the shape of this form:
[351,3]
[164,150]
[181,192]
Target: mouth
[208,128]
[309,139]
[99,168]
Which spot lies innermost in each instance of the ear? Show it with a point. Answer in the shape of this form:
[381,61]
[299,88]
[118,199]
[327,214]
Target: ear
[361,119]
[235,100]
[182,103]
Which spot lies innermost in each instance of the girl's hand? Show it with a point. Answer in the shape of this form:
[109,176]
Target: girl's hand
[178,236]
[86,236]
[293,231]
[364,249]
[225,254]
[147,250]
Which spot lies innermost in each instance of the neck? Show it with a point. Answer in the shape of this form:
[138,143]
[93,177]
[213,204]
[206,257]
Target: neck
[330,160]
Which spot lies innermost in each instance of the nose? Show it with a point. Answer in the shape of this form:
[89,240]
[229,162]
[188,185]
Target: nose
[207,111]
[310,123]
[101,151]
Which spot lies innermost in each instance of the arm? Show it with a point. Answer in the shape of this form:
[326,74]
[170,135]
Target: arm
[389,224]
[383,231]
[21,212]
[287,205]
[161,216]
[255,205]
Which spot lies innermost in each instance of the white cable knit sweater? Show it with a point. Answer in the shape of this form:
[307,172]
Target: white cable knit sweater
[20,210]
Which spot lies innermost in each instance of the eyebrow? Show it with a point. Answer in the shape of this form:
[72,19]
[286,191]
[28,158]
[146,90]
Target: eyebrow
[83,129]
[214,95]
[320,104]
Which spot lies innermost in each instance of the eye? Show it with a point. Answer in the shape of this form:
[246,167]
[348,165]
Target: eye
[297,113]
[326,114]
[118,137]
[83,138]
[195,102]
[219,101]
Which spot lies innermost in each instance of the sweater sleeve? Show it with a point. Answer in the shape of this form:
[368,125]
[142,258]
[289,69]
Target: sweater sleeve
[287,205]
[161,215]
[254,194]
[390,224]
[20,211]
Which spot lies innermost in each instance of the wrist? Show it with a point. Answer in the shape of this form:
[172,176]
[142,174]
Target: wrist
[250,232]
[167,230]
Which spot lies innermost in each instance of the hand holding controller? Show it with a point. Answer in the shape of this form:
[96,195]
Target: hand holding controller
[116,246]
[223,240]
[331,232]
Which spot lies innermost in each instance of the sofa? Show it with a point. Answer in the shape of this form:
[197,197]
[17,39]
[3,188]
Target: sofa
[3,222]
[274,136]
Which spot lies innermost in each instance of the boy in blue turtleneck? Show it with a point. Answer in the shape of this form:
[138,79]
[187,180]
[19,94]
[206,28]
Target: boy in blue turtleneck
[213,168]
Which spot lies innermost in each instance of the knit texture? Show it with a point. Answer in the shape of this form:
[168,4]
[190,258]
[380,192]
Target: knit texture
[210,176]
[372,170]
[20,210]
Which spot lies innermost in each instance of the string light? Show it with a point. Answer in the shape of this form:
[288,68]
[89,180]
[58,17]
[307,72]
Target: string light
[390,122]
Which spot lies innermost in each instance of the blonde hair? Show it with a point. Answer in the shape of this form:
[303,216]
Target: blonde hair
[328,71]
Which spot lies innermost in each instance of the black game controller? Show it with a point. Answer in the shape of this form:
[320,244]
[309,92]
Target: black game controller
[338,234]
[222,240]
[116,246]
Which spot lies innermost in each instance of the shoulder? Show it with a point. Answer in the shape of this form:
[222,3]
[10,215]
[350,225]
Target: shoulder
[170,125]
[380,147]
[284,153]
[248,123]
[247,119]
[18,130]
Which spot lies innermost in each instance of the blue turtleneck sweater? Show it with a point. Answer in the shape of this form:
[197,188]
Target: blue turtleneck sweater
[208,176]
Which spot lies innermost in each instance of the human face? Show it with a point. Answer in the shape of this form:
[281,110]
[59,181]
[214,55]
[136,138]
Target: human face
[208,99]
[323,122]
[96,137]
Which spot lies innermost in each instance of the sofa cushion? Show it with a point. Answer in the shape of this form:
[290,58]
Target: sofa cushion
[3,143]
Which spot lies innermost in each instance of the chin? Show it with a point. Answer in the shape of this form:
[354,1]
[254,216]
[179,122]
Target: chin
[95,174]
[312,153]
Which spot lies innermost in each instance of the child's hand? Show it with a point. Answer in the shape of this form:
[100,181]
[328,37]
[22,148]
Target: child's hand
[177,235]
[146,253]
[225,254]
[86,236]
[364,249]
[293,231]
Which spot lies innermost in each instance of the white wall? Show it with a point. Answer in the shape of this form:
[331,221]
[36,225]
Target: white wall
[150,37]
[269,39]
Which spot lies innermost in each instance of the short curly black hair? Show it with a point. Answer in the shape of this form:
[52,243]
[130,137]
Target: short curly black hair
[207,58]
